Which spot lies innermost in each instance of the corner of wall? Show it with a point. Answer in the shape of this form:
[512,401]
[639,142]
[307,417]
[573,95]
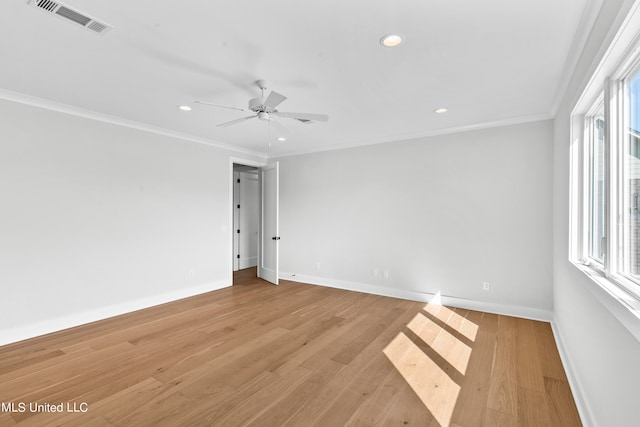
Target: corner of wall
[574,381]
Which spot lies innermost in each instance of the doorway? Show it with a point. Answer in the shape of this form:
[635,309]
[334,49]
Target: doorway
[246,218]
[261,197]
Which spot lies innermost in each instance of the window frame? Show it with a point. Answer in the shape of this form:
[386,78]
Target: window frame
[631,69]
[597,110]
[606,91]
[624,141]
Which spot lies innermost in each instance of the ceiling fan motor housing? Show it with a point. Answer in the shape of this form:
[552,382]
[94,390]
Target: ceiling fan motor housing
[257,105]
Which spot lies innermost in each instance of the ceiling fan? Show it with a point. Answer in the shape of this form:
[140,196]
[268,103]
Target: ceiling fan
[267,109]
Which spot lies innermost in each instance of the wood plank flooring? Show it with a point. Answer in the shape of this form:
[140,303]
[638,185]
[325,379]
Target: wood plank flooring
[290,355]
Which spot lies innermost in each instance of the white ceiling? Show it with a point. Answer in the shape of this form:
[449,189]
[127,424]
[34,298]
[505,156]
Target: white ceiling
[488,62]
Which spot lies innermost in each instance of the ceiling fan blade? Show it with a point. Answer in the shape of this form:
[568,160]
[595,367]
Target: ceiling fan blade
[233,122]
[273,100]
[221,106]
[303,116]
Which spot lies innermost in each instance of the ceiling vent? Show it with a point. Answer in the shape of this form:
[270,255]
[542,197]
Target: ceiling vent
[69,14]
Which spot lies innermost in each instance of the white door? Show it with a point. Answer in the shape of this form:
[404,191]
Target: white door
[269,238]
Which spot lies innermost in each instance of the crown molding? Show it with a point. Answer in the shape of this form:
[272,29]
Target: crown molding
[411,136]
[119,121]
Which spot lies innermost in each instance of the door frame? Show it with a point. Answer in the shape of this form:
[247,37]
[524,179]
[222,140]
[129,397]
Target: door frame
[245,162]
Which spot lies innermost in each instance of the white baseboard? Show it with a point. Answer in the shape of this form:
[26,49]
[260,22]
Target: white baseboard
[574,382]
[504,309]
[21,333]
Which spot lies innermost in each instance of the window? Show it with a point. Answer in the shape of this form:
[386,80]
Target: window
[631,180]
[606,179]
[604,148]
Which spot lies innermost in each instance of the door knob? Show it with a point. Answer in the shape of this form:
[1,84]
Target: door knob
[275,238]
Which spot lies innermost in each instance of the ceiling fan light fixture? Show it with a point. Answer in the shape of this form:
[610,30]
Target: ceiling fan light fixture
[391,40]
[281,138]
[184,107]
[440,110]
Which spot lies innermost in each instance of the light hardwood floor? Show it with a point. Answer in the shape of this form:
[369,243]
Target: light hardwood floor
[291,355]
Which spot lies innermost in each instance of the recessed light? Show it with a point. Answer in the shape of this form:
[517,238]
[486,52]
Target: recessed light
[440,110]
[281,138]
[391,40]
[184,107]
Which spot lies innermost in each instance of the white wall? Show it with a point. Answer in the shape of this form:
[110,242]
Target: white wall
[98,219]
[440,214]
[603,356]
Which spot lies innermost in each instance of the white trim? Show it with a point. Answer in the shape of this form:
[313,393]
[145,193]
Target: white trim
[580,399]
[409,136]
[119,121]
[33,330]
[487,307]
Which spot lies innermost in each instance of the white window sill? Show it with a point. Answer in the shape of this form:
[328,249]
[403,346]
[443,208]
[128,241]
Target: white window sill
[622,305]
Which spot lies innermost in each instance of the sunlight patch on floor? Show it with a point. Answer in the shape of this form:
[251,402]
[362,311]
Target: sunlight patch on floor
[431,384]
[453,319]
[448,334]
[442,341]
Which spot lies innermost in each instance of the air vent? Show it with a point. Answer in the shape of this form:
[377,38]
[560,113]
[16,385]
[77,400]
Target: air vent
[63,11]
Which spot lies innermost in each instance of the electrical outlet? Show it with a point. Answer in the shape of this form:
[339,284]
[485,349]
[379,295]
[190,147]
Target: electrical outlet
[374,272]
[385,273]
[317,265]
[486,286]
[191,273]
